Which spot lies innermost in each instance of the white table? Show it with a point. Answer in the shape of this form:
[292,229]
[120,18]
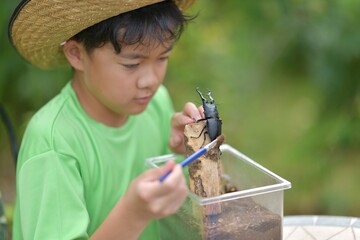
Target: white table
[321,228]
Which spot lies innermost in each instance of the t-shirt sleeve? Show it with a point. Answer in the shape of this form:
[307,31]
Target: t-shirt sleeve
[51,198]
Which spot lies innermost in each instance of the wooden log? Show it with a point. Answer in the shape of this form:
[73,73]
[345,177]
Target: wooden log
[205,172]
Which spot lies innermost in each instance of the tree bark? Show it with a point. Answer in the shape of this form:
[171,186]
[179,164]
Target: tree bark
[205,172]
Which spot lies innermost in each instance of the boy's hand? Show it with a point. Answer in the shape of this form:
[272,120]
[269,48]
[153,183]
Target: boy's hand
[151,199]
[190,114]
[146,199]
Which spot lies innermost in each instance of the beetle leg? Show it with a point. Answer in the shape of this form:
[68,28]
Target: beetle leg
[202,131]
[202,119]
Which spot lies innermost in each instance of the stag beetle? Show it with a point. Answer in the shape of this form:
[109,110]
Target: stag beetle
[213,122]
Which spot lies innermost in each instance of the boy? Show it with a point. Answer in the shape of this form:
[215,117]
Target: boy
[81,172]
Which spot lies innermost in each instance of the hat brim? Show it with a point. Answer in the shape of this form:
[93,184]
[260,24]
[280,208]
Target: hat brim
[38,27]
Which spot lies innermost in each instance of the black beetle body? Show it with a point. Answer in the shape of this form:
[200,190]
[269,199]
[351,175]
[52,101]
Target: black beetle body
[213,122]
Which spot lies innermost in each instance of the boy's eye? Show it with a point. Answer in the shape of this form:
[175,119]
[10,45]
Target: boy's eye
[130,66]
[164,58]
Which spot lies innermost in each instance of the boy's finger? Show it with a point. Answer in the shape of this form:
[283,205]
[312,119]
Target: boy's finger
[192,111]
[171,166]
[180,120]
[176,175]
[155,173]
[168,166]
[171,182]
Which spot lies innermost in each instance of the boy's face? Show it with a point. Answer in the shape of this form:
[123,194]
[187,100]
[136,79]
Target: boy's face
[112,86]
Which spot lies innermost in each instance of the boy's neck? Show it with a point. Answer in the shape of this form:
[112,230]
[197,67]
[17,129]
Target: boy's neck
[95,109]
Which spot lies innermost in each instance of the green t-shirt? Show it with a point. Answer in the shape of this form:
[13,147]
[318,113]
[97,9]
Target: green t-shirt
[72,170]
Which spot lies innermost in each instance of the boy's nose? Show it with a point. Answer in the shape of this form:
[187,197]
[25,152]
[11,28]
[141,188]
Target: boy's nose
[148,79]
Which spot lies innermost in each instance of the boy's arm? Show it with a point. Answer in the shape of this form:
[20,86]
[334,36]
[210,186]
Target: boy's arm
[146,199]
[50,199]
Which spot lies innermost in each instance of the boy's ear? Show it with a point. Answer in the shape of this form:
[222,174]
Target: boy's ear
[73,52]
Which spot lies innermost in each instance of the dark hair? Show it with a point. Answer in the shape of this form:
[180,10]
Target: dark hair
[158,23]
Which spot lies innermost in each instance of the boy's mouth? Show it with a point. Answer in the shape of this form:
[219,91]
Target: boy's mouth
[143,100]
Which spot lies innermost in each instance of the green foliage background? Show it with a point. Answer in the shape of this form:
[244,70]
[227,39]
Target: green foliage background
[283,73]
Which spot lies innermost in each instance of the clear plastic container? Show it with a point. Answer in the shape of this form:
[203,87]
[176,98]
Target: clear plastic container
[254,211]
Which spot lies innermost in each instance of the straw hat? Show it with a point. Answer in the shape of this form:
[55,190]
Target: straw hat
[38,27]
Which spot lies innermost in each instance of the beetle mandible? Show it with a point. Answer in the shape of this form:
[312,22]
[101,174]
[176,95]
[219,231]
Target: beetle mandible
[213,122]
